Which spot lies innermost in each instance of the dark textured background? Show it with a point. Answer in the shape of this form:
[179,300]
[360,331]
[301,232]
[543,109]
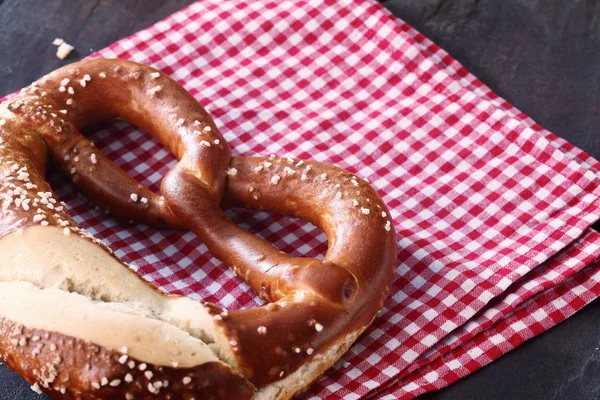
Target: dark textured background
[541,55]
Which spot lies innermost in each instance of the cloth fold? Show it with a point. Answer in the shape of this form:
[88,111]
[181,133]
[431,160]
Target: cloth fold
[518,315]
[493,213]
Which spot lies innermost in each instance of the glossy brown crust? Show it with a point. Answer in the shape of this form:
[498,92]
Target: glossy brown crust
[315,304]
[70,368]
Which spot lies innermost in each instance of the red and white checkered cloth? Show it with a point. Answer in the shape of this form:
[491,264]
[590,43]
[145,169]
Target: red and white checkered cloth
[492,211]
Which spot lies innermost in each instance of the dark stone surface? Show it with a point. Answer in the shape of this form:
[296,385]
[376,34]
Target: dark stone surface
[27,28]
[540,55]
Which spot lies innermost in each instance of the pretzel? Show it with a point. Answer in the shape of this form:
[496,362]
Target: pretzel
[78,324]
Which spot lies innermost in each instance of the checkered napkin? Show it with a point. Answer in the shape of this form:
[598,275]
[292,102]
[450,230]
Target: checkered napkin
[492,212]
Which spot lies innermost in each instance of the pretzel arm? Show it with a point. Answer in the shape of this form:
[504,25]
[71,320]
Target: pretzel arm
[108,186]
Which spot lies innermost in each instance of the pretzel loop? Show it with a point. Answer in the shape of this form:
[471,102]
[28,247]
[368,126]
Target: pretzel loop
[316,310]
[90,94]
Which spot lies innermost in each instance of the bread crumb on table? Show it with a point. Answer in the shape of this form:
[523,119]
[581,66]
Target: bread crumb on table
[64,49]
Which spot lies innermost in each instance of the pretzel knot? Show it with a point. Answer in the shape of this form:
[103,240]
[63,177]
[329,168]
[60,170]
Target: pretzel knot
[77,323]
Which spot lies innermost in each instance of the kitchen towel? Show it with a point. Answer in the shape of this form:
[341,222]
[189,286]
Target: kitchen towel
[493,213]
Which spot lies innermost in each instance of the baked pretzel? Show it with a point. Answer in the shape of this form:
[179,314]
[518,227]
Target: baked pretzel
[78,324]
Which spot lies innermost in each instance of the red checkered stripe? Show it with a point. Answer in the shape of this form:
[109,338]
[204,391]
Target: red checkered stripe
[546,277]
[478,197]
[455,81]
[472,83]
[532,318]
[573,259]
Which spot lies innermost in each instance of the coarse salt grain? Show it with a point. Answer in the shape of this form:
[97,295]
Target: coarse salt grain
[154,90]
[289,171]
[36,388]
